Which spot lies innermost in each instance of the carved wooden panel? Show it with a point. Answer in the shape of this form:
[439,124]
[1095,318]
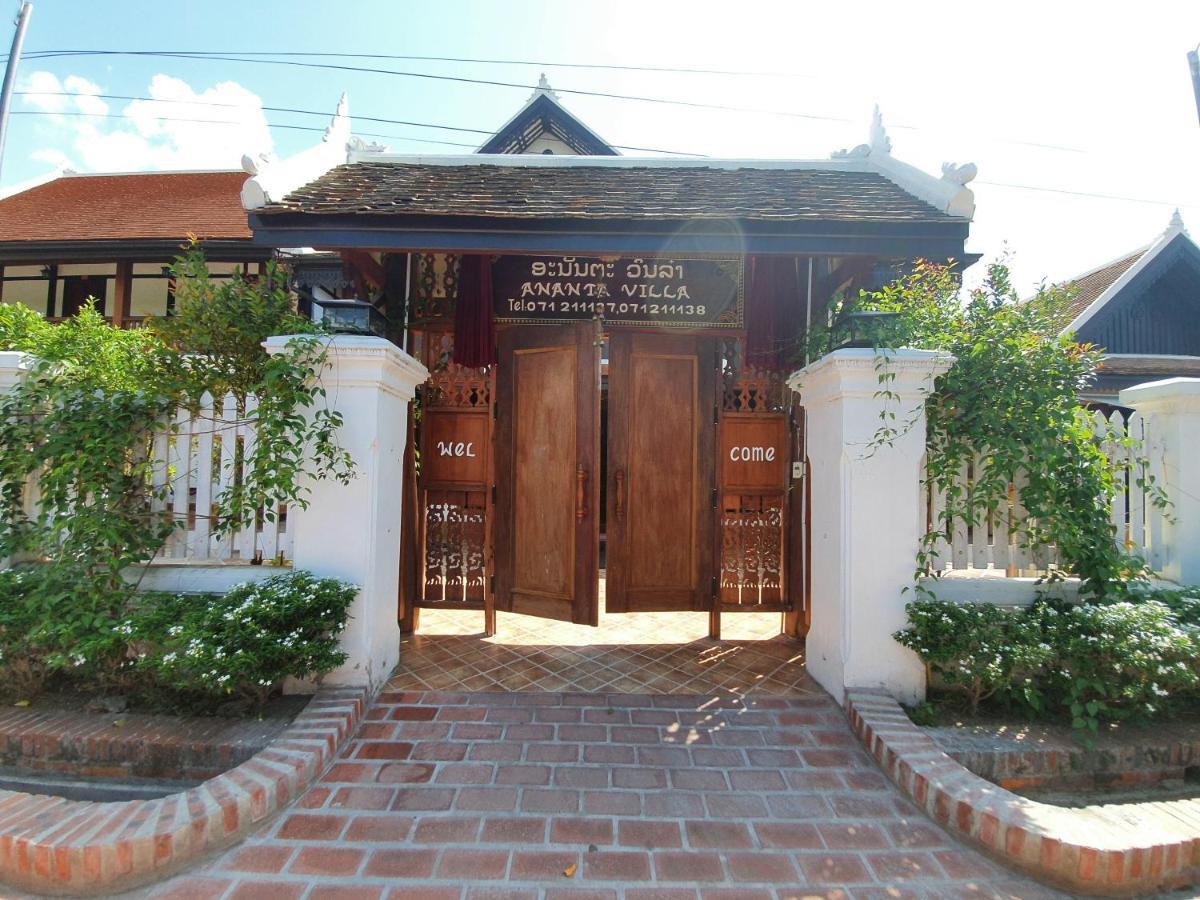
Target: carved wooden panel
[756,446]
[748,389]
[754,452]
[455,548]
[455,445]
[752,547]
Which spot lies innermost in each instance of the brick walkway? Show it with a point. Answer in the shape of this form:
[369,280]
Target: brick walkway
[543,795]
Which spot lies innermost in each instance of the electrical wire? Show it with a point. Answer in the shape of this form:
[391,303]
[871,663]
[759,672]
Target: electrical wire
[315,112]
[465,59]
[692,104]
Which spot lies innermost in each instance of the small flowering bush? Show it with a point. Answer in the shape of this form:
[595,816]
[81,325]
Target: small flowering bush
[240,646]
[1087,663]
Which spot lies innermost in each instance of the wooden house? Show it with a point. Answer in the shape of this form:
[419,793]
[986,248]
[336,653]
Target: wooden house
[112,237]
[608,338]
[1143,310]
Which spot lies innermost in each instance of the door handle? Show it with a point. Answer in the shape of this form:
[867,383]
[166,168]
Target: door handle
[619,494]
[581,480]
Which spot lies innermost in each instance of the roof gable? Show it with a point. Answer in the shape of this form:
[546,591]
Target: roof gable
[544,122]
[1100,287]
[136,206]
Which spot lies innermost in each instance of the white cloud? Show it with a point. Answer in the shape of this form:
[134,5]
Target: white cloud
[179,128]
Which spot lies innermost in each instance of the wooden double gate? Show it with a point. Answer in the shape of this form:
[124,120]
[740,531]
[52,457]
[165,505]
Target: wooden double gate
[696,492]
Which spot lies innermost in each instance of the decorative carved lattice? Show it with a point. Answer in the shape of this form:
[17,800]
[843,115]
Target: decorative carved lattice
[435,286]
[455,547]
[452,385]
[752,550]
[749,389]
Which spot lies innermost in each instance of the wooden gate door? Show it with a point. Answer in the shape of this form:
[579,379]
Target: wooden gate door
[547,448]
[661,414]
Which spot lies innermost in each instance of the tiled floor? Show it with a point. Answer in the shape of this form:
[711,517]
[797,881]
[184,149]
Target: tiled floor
[660,653]
[543,796]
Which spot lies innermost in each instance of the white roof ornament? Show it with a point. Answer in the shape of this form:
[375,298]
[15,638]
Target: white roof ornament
[948,193]
[359,145]
[1176,225]
[957,174]
[271,179]
[880,142]
[543,89]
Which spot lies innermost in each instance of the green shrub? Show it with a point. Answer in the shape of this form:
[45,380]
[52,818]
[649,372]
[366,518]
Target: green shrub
[50,627]
[1086,663]
[240,646]
[978,650]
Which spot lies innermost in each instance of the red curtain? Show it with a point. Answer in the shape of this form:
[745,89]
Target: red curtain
[773,304]
[474,327]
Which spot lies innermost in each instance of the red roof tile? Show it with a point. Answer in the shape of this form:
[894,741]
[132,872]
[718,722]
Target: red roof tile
[151,205]
[1090,286]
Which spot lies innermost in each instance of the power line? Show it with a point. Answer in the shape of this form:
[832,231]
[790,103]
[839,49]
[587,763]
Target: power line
[462,79]
[1050,190]
[315,112]
[465,59]
[396,137]
[246,56]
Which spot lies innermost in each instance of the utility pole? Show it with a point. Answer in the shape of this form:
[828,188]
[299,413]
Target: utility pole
[10,72]
[1194,64]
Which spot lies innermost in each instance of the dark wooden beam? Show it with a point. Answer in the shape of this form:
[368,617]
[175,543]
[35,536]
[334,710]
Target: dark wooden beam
[365,267]
[122,292]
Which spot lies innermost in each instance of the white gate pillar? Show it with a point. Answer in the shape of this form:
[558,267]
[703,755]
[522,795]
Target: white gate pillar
[1171,411]
[352,531]
[865,510]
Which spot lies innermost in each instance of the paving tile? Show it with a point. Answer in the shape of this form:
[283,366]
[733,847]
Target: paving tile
[703,793]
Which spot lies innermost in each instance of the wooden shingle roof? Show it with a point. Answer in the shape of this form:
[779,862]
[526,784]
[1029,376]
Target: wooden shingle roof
[597,193]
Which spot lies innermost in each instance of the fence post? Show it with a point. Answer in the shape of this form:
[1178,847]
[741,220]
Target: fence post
[1171,412]
[352,531]
[14,368]
[864,507]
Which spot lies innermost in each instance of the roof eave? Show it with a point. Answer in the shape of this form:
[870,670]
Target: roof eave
[935,239]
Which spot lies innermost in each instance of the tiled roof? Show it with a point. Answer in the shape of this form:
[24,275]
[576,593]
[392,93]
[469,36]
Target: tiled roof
[148,206]
[1090,286]
[583,192]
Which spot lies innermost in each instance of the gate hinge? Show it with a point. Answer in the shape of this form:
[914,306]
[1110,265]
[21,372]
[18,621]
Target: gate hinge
[714,586]
[491,584]
[493,493]
[714,498]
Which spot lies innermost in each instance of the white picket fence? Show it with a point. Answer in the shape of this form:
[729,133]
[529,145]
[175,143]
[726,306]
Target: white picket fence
[996,542]
[195,461]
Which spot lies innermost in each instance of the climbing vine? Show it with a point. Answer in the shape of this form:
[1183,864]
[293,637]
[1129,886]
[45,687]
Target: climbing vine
[1008,407]
[79,494]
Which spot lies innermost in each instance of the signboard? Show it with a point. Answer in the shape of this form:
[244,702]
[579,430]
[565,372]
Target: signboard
[456,448]
[754,452]
[653,292]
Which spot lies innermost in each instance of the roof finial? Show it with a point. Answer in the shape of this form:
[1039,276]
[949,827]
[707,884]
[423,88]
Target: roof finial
[880,142]
[1176,226]
[543,89]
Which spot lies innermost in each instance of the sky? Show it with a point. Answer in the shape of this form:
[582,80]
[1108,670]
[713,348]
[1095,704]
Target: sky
[1080,116]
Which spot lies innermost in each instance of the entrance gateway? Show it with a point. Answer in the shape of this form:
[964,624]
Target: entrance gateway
[612,399]
[619,429]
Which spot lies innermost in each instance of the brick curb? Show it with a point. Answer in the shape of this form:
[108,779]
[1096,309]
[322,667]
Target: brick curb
[49,845]
[1100,851]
